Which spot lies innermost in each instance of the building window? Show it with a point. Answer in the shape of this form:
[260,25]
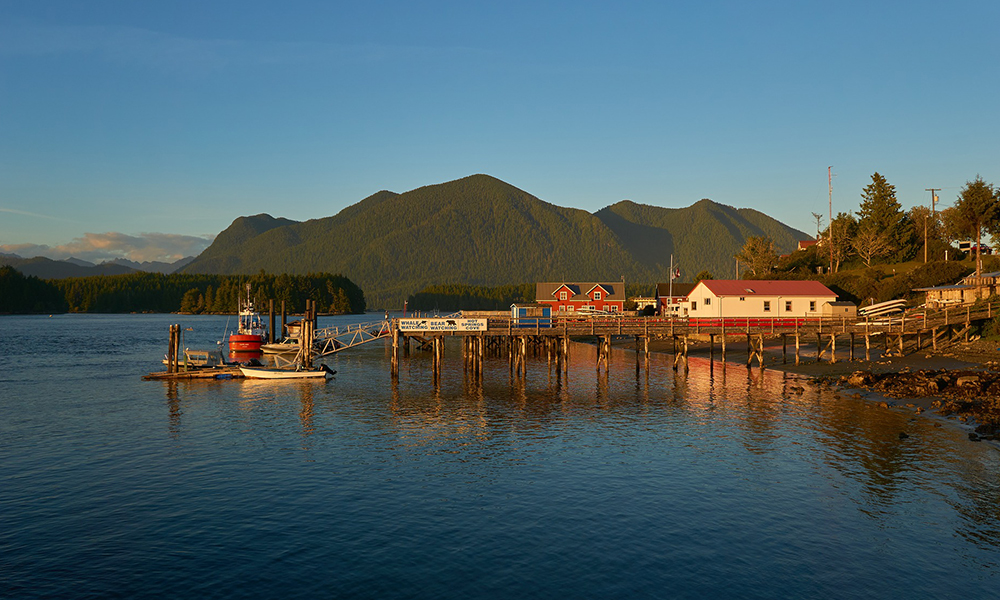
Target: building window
[597,295]
[613,308]
[767,306]
[569,308]
[812,306]
[562,295]
[788,306]
[694,305]
[708,301]
[742,298]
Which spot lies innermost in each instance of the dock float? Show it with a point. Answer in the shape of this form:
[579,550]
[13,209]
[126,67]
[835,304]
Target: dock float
[227,372]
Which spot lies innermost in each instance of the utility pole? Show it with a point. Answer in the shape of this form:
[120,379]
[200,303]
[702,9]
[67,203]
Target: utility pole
[933,214]
[925,239]
[829,178]
[934,197]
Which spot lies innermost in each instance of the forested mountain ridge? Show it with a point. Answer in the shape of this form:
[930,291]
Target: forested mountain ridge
[703,236]
[482,231]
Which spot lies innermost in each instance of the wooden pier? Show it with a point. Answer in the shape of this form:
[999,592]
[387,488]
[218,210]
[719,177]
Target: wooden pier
[834,338]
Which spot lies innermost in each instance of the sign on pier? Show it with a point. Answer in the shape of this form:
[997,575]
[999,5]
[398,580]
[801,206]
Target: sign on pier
[415,325]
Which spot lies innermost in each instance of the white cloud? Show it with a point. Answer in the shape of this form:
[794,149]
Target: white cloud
[156,49]
[28,214]
[99,247]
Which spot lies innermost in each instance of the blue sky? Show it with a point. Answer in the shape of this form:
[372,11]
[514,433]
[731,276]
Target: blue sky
[142,129]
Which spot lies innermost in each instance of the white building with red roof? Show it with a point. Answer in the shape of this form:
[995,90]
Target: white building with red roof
[737,298]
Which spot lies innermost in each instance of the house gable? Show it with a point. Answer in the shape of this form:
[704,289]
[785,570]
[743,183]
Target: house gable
[564,292]
[603,291]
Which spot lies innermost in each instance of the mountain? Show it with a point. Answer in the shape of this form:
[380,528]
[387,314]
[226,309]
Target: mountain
[79,262]
[152,266]
[482,231]
[704,236]
[46,268]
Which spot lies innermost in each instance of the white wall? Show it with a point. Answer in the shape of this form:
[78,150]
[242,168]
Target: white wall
[752,305]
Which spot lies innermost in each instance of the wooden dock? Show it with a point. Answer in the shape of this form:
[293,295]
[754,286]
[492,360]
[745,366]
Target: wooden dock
[516,337]
[223,372]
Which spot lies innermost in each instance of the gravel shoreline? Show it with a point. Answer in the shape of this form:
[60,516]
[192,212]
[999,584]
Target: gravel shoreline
[959,384]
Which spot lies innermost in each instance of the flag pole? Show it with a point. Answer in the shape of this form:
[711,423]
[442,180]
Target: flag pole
[670,300]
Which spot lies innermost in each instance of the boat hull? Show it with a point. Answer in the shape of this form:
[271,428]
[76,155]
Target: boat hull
[241,342]
[260,373]
[280,348]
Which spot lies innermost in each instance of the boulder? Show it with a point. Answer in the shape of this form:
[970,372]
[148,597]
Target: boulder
[967,381]
[860,379]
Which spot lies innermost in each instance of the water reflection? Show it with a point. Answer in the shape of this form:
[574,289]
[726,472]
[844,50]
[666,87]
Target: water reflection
[759,428]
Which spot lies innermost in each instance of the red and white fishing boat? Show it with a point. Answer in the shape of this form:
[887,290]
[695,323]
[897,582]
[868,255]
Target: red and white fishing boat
[251,332]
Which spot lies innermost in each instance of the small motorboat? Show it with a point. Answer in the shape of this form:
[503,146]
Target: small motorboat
[286,346]
[198,358]
[323,372]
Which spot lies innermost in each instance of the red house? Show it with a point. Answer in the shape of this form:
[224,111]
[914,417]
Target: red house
[566,298]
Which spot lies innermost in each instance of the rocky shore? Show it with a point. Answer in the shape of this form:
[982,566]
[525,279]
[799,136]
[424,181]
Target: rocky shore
[961,381]
[972,395]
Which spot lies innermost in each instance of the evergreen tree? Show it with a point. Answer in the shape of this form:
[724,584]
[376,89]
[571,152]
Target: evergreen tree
[976,211]
[881,212]
[189,303]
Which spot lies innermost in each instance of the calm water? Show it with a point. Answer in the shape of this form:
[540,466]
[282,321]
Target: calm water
[713,484]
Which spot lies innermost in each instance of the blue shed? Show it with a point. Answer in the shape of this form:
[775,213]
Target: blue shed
[531,315]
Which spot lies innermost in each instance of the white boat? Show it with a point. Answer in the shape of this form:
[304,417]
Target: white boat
[287,346]
[323,372]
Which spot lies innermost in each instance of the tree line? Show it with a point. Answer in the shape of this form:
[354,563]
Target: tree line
[23,294]
[882,233]
[155,292]
[455,297]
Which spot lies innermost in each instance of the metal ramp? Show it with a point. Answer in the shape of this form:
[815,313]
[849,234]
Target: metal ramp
[334,339]
[331,340]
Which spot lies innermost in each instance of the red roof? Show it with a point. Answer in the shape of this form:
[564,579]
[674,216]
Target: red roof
[766,287]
